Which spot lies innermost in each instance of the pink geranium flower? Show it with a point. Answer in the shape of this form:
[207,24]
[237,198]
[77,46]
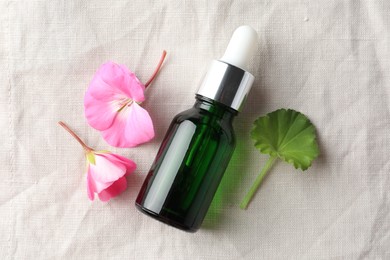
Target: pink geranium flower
[106,172]
[112,105]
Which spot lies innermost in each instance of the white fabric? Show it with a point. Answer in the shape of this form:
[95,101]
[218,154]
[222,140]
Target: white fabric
[328,59]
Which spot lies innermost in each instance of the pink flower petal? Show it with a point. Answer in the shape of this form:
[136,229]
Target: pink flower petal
[100,90]
[139,127]
[115,77]
[114,190]
[106,171]
[90,185]
[115,135]
[112,79]
[130,165]
[100,115]
[99,186]
[131,127]
[136,88]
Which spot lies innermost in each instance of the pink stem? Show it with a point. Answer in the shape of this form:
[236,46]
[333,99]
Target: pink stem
[78,139]
[157,69]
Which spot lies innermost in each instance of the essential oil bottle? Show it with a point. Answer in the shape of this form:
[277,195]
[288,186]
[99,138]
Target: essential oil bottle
[199,143]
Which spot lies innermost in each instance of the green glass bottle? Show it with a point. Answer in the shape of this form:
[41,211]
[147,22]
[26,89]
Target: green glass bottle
[199,143]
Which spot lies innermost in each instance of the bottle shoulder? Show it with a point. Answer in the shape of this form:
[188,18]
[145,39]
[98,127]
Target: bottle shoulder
[201,117]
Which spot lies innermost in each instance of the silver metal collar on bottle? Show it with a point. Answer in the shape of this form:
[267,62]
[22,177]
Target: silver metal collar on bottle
[226,84]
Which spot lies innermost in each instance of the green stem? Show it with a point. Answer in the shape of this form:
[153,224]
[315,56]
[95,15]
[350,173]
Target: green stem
[268,165]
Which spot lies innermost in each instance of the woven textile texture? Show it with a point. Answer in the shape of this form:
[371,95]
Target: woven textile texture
[328,59]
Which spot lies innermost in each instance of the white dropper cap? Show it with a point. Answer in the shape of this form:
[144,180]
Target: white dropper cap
[241,47]
[227,81]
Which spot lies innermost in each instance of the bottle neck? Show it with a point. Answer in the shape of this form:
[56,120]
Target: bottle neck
[215,108]
[226,84]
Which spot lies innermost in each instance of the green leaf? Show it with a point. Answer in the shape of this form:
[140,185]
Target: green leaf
[287,134]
